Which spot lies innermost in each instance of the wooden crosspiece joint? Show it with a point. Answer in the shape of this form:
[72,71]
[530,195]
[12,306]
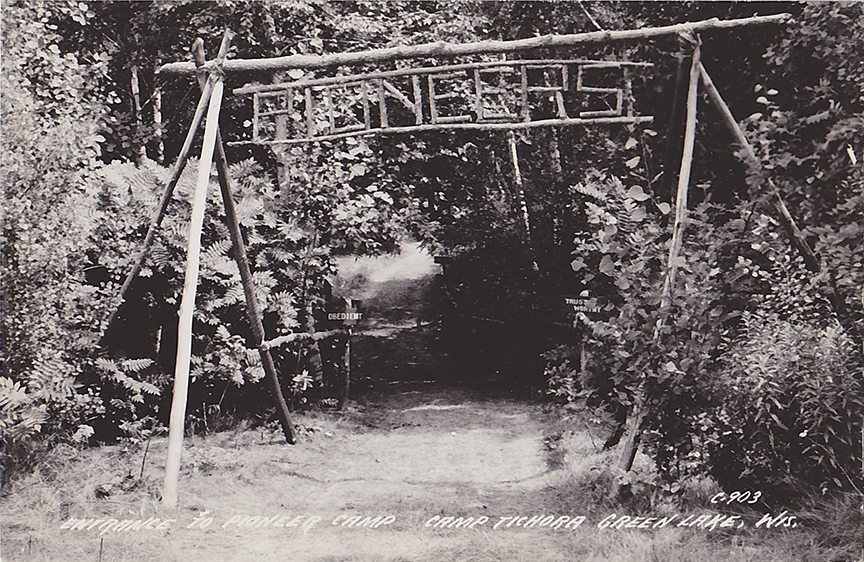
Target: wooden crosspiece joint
[503,95]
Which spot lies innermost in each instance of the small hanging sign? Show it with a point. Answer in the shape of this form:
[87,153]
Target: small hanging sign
[349,316]
[594,308]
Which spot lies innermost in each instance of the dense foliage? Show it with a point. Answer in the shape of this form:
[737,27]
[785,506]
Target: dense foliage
[753,370]
[54,106]
[76,224]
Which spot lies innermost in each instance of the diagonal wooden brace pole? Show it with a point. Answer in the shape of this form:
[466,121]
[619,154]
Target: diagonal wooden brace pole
[785,217]
[795,235]
[176,171]
[252,309]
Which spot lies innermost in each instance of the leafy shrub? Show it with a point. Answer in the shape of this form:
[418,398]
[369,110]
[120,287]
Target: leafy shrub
[53,107]
[774,397]
[645,344]
[790,402]
[789,384]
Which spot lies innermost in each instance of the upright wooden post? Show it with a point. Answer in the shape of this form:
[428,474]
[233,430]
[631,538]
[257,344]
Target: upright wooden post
[187,304]
[253,313]
[346,381]
[683,181]
[640,406]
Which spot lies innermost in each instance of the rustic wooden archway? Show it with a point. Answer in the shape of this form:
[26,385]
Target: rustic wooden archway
[498,95]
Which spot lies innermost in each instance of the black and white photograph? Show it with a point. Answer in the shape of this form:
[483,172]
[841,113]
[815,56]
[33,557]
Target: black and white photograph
[432,281]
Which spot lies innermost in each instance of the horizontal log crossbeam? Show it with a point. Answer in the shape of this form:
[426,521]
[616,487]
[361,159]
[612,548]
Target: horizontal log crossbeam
[447,50]
[493,95]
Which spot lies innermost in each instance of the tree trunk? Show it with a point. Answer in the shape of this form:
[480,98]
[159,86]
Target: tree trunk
[523,203]
[141,152]
[157,125]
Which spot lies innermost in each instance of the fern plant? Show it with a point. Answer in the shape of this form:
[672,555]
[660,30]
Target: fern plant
[220,312]
[20,414]
[289,239]
[124,373]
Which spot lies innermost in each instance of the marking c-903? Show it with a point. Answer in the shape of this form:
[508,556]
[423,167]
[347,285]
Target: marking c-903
[737,497]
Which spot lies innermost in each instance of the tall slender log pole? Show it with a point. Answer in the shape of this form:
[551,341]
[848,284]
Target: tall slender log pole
[683,181]
[187,304]
[640,406]
[252,310]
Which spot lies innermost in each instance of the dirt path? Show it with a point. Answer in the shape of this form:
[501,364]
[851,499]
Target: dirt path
[392,480]
[421,476]
[429,448]
[410,475]
[423,457]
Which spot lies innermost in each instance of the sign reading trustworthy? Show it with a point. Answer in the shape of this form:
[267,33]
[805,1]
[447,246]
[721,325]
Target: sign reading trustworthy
[592,307]
[583,304]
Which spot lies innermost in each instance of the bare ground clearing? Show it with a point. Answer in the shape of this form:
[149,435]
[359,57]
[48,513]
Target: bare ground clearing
[369,484]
